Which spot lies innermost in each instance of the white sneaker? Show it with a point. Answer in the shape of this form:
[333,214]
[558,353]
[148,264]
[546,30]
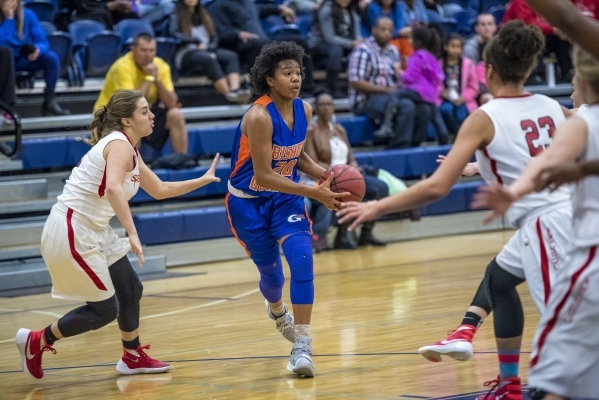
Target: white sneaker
[300,361]
[284,323]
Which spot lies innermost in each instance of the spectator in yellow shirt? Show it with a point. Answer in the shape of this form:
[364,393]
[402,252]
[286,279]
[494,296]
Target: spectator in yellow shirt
[141,69]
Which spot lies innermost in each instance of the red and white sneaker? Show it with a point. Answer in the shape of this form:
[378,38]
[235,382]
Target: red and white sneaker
[511,391]
[458,345]
[141,363]
[28,343]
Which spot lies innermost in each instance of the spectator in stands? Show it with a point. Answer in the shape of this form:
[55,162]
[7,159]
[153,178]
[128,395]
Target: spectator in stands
[108,12]
[374,70]
[391,9]
[335,33]
[460,88]
[154,11]
[422,80]
[485,29]
[555,41]
[328,145]
[199,52]
[239,29]
[413,11]
[21,30]
[141,69]
[304,6]
[7,81]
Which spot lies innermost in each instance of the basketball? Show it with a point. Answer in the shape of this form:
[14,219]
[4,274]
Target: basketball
[346,179]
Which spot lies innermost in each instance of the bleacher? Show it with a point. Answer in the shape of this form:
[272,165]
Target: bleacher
[193,228]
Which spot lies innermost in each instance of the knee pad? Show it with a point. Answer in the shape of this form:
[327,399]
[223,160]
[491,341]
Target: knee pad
[137,289]
[537,394]
[107,311]
[298,251]
[272,280]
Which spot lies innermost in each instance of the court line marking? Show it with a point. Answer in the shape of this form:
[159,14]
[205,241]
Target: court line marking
[181,310]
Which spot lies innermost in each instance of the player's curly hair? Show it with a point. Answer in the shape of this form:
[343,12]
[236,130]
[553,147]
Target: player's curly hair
[513,52]
[268,61]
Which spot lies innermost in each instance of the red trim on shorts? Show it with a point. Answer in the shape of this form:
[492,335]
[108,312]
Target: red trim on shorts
[493,167]
[551,324]
[71,233]
[231,225]
[544,262]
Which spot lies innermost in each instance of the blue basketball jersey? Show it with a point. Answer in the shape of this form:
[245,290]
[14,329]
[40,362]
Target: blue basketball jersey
[287,145]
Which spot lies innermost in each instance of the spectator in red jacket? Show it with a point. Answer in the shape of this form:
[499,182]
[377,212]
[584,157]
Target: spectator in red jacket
[555,41]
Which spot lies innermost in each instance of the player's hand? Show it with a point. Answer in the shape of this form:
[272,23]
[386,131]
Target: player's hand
[137,249]
[326,196]
[497,198]
[211,173]
[554,177]
[358,212]
[469,170]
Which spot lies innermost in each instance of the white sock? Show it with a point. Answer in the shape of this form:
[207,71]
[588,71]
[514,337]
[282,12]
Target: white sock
[301,330]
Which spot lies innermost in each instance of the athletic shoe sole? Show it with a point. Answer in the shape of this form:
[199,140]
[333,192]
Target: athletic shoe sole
[461,351]
[21,341]
[122,368]
[307,370]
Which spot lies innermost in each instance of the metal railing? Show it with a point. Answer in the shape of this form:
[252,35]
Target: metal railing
[15,133]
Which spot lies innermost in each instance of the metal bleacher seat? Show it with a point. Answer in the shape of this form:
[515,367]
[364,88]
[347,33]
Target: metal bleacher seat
[44,9]
[465,21]
[61,43]
[449,9]
[497,12]
[48,27]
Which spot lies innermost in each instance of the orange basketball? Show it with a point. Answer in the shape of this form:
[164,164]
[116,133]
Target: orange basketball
[346,179]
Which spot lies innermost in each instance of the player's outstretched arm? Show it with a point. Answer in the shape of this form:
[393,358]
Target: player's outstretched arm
[565,16]
[568,143]
[475,132]
[159,190]
[469,170]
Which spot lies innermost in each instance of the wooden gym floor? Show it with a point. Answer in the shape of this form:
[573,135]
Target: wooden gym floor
[374,308]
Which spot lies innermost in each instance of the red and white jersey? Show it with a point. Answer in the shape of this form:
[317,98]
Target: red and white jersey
[524,126]
[585,199]
[84,191]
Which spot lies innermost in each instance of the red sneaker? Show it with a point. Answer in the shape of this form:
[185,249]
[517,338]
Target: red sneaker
[141,363]
[458,345]
[28,343]
[511,391]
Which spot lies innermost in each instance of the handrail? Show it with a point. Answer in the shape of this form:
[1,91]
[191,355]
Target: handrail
[16,122]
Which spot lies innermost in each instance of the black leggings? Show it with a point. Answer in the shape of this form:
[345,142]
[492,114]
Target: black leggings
[124,305]
[497,292]
[7,83]
[202,62]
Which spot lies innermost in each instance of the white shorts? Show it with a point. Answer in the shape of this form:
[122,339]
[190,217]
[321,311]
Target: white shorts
[565,356]
[78,256]
[538,250]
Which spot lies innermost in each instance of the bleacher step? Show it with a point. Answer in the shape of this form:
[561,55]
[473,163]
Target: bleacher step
[23,190]
[11,165]
[33,273]
[27,206]
[18,253]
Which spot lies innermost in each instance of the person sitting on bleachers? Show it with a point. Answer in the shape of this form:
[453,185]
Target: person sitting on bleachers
[108,12]
[141,69]
[21,30]
[413,11]
[485,29]
[239,29]
[154,11]
[460,88]
[200,54]
[304,6]
[7,81]
[328,145]
[555,41]
[335,33]
[374,75]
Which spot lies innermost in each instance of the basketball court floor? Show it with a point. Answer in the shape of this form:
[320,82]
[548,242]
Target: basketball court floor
[374,308]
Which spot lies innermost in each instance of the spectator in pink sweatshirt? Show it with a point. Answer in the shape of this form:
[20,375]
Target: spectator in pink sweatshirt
[422,81]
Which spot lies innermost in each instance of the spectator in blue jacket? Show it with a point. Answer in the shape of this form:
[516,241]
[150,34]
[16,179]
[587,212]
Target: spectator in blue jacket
[413,11]
[20,29]
[383,8]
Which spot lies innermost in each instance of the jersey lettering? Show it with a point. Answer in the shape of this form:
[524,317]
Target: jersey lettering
[531,131]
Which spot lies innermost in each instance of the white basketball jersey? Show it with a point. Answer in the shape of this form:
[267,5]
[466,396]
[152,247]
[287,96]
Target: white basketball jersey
[524,126]
[585,200]
[84,191]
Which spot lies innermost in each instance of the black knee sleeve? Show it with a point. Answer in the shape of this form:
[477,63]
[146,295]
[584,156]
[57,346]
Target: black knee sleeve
[501,287]
[128,289]
[481,298]
[90,317]
[537,394]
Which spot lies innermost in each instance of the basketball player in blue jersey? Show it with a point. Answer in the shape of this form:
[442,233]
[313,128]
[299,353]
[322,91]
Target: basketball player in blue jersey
[265,201]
